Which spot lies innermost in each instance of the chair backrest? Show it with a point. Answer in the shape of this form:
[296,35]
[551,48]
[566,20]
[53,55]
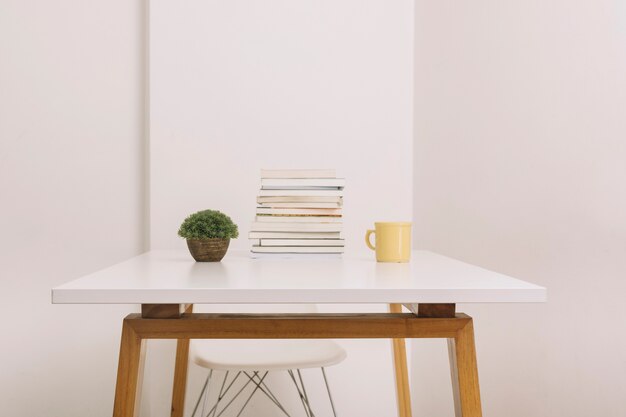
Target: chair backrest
[255,308]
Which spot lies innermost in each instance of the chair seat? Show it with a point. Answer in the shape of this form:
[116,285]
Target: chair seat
[265,355]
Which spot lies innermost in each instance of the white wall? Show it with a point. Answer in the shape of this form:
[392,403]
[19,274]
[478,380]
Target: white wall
[242,85]
[239,86]
[520,124]
[71,105]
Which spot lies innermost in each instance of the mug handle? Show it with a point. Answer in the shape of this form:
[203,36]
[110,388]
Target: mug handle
[367,239]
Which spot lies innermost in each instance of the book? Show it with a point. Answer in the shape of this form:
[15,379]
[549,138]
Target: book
[295,227]
[295,235]
[298,242]
[299,187]
[299,219]
[301,183]
[298,173]
[299,199]
[297,249]
[284,256]
[307,193]
[299,211]
[301,205]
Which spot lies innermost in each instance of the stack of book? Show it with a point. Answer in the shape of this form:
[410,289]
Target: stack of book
[299,213]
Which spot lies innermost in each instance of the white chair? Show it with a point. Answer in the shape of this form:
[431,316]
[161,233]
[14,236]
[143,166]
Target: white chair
[250,361]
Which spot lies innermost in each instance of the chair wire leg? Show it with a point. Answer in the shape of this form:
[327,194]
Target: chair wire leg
[221,394]
[290,372]
[251,394]
[266,390]
[261,386]
[330,397]
[306,397]
[213,409]
[204,388]
[304,404]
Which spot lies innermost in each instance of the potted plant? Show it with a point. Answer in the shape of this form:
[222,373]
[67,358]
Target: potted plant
[208,233]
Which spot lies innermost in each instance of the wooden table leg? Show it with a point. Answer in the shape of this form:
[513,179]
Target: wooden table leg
[467,395]
[403,392]
[454,376]
[462,355]
[180,374]
[127,390]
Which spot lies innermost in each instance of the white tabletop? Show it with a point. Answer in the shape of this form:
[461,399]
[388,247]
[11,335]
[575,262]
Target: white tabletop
[162,277]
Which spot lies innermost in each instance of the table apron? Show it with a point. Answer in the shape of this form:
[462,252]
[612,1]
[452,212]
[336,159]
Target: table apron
[297,326]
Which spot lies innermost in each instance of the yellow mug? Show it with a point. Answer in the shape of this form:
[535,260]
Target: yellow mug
[393,241]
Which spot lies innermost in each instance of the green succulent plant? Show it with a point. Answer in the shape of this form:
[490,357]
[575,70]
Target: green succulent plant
[208,224]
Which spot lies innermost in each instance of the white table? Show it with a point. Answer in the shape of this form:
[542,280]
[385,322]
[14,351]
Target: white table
[168,283]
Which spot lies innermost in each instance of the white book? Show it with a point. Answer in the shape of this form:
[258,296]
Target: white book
[301,183]
[308,193]
[298,242]
[298,173]
[298,187]
[301,205]
[299,211]
[297,249]
[296,227]
[284,256]
[295,235]
[299,199]
[299,219]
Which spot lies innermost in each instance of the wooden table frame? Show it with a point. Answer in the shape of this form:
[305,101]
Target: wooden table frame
[173,321]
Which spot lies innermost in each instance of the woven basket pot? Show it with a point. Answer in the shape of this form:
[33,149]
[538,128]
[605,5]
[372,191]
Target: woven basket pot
[208,250]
